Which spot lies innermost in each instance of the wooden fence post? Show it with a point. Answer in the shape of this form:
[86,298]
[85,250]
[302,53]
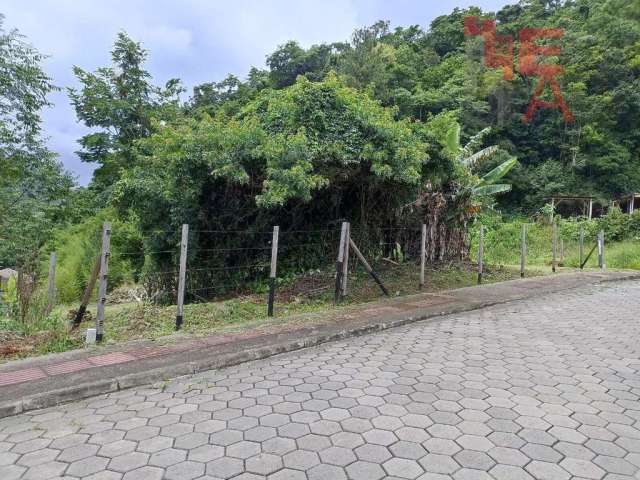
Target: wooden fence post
[102,288]
[423,254]
[554,246]
[523,249]
[86,297]
[562,251]
[368,268]
[338,289]
[581,246]
[182,275]
[51,287]
[480,254]
[345,263]
[273,271]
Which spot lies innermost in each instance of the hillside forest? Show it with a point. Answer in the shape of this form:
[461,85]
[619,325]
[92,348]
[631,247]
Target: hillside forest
[390,128]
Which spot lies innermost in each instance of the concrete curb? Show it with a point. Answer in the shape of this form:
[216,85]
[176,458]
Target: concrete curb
[317,336]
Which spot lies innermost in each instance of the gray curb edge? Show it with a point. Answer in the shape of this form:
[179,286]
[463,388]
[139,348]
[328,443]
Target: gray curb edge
[95,388]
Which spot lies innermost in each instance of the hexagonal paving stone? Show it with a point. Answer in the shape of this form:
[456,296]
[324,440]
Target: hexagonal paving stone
[337,456]
[365,471]
[206,453]
[263,464]
[185,471]
[409,450]
[191,440]
[287,474]
[301,459]
[128,461]
[144,473]
[474,460]
[168,457]
[45,471]
[278,446]
[326,472]
[225,467]
[435,463]
[547,470]
[243,449]
[77,452]
[372,453]
[403,468]
[313,442]
[87,466]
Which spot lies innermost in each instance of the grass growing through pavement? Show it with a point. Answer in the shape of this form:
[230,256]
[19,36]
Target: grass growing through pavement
[139,320]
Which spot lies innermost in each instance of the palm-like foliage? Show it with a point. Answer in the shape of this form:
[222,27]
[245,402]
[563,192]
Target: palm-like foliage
[469,158]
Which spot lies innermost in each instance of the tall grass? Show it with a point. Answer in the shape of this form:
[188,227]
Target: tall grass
[502,242]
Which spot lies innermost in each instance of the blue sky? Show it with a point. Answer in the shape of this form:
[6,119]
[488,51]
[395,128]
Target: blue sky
[194,40]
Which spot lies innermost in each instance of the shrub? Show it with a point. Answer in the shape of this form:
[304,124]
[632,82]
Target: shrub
[78,247]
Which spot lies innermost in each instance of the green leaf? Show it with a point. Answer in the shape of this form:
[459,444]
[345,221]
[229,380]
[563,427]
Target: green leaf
[483,190]
[480,156]
[499,172]
[452,140]
[475,141]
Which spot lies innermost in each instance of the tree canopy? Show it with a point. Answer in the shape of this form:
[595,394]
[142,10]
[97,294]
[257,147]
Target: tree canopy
[354,129]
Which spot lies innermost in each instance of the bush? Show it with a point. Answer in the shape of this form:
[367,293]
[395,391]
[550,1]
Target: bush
[78,247]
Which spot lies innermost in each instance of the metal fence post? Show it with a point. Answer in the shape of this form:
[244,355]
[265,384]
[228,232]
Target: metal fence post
[102,288]
[273,271]
[345,262]
[523,249]
[339,262]
[554,248]
[182,275]
[423,254]
[581,246]
[601,262]
[604,262]
[480,254]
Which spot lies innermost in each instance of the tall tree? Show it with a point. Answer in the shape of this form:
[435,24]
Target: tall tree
[120,102]
[34,189]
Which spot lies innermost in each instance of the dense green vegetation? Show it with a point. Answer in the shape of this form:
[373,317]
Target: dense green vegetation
[388,130]
[503,234]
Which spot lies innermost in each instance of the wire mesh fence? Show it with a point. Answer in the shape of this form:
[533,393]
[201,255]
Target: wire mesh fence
[223,270]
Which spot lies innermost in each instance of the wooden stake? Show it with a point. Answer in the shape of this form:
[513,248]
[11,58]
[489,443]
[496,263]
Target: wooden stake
[182,275]
[581,247]
[480,255]
[273,271]
[102,288]
[339,262]
[368,268]
[345,263]
[423,254]
[523,249]
[86,297]
[51,290]
[554,246]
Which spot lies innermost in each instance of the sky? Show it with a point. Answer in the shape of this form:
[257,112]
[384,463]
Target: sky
[195,40]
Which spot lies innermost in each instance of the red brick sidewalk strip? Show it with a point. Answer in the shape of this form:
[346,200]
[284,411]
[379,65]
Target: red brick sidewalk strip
[30,374]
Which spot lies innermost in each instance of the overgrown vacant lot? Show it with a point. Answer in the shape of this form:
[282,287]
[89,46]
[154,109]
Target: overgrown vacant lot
[306,294]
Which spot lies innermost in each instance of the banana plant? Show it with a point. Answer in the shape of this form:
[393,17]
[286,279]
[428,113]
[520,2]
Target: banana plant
[469,159]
